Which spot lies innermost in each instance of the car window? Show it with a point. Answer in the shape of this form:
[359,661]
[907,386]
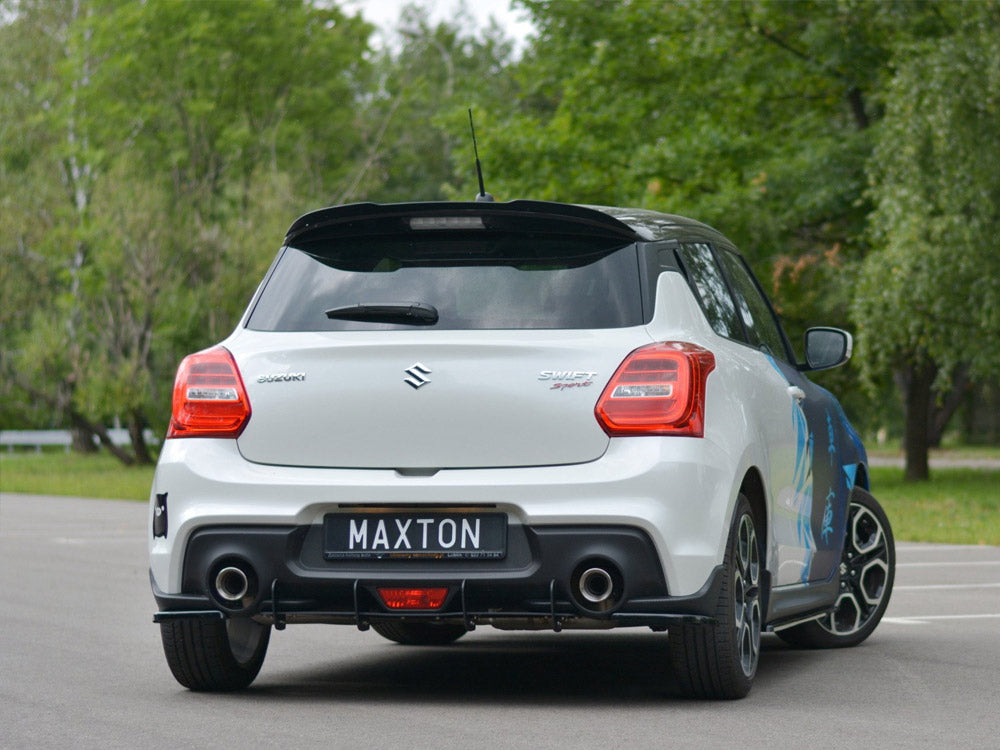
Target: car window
[471,282]
[761,324]
[711,288]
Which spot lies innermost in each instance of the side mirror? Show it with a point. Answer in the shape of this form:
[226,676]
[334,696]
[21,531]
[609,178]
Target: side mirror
[827,347]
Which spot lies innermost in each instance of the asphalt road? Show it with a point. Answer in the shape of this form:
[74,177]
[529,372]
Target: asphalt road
[81,666]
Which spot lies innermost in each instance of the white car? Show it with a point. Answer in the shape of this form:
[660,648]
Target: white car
[530,415]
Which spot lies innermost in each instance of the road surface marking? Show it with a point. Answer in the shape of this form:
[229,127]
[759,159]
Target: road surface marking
[941,547]
[923,619]
[947,562]
[948,586]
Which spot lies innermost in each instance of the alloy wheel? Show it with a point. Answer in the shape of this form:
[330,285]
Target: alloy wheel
[864,570]
[747,595]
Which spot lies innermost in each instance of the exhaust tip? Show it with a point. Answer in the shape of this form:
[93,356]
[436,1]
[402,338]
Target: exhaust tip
[231,584]
[597,585]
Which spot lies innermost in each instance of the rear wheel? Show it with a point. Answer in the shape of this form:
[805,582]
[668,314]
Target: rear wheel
[867,570]
[419,633]
[215,655]
[720,661]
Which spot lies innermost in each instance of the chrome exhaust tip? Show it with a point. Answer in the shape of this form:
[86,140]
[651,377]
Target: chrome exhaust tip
[231,584]
[596,585]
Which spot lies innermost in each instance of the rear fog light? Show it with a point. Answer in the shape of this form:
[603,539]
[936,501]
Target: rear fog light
[413,598]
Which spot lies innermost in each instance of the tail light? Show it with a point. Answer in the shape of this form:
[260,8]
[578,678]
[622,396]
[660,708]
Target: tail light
[209,397]
[658,390]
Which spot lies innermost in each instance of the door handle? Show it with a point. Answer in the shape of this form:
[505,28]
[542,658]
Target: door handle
[797,394]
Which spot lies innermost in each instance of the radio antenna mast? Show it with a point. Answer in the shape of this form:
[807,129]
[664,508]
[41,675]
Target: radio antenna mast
[483,196]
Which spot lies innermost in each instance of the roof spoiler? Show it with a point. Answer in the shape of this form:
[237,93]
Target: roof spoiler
[370,219]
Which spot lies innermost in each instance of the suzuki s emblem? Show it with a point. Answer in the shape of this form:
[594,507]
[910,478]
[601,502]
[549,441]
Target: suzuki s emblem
[418,375]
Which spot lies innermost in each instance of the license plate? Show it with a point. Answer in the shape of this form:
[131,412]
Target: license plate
[361,536]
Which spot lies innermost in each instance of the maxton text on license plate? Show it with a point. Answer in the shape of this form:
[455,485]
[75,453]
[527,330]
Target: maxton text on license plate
[362,536]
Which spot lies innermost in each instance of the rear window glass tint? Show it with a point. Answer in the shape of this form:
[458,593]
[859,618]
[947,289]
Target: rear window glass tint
[711,288]
[760,322]
[477,282]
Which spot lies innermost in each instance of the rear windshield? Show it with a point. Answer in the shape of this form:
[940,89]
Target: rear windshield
[477,281]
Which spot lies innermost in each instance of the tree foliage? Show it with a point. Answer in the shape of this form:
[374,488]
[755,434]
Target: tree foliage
[425,85]
[152,154]
[141,177]
[753,116]
[757,117]
[929,297]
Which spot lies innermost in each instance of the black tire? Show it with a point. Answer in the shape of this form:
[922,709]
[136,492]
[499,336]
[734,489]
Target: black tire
[419,633]
[215,655]
[867,571]
[720,661]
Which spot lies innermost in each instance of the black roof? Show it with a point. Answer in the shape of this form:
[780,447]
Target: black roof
[654,225]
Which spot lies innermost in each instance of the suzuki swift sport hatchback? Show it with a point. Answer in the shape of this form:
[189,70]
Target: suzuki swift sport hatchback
[438,416]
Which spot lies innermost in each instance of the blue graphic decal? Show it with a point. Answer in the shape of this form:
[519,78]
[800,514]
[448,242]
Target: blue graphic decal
[815,530]
[831,449]
[802,481]
[851,470]
[828,516]
[859,453]
[831,445]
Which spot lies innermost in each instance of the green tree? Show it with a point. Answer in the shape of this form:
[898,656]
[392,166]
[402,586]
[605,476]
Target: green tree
[928,305]
[136,170]
[50,162]
[753,116]
[419,147]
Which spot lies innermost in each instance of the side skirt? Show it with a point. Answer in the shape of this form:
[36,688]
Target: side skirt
[790,605]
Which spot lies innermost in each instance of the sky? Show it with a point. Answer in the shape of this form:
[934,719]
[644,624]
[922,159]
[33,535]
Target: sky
[385,13]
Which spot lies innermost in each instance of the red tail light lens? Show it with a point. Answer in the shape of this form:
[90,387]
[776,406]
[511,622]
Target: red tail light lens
[209,397]
[658,390]
[413,598]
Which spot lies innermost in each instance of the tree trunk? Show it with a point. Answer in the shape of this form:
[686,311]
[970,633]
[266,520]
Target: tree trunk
[83,439]
[135,427]
[941,414]
[916,381]
[857,101]
[78,423]
[95,428]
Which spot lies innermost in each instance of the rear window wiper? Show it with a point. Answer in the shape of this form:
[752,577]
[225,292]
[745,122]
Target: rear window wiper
[407,313]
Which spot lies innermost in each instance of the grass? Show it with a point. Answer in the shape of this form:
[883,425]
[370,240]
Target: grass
[893,450]
[59,473]
[957,506]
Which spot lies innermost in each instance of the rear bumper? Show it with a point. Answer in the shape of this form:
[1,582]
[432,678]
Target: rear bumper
[536,584]
[676,492]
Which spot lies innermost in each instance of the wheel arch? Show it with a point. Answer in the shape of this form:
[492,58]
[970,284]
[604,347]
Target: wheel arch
[752,487]
[861,478]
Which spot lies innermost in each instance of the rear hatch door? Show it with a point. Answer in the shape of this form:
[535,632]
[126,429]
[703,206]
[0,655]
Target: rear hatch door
[429,400]
[429,336]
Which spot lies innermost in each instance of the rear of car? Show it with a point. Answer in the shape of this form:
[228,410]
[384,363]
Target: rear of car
[438,416]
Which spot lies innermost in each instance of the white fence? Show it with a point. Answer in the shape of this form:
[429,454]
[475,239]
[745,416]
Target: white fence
[37,439]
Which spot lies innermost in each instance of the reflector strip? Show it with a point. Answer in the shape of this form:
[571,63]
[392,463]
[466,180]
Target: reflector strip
[212,394]
[643,391]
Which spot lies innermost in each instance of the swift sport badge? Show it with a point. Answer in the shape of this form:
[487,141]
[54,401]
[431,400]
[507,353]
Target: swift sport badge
[565,379]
